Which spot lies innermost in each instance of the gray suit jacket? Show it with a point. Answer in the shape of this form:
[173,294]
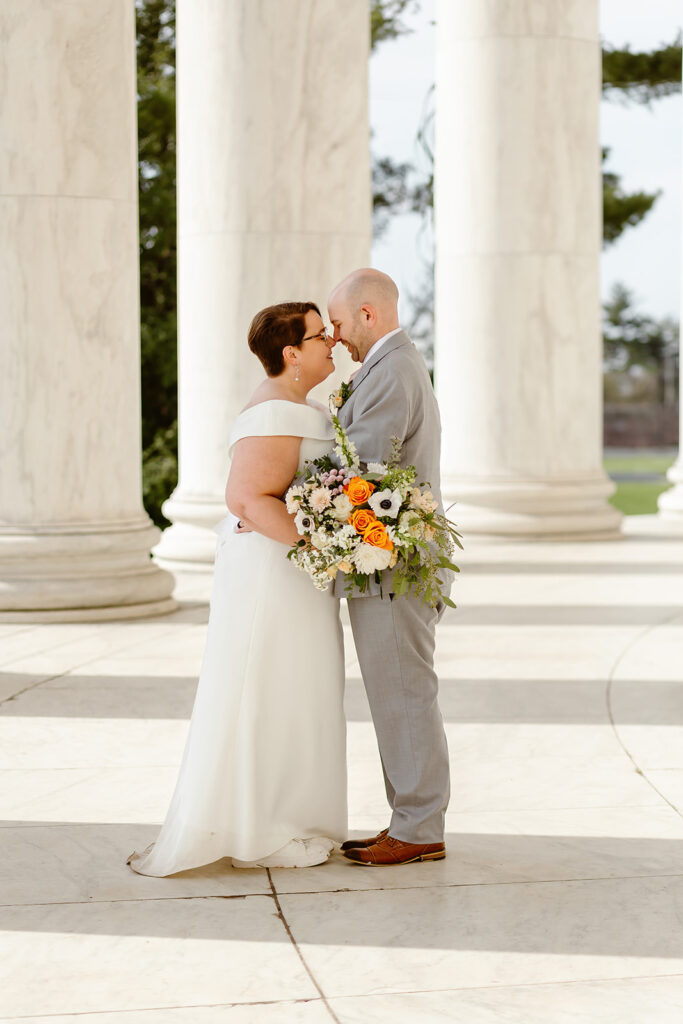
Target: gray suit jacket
[392,395]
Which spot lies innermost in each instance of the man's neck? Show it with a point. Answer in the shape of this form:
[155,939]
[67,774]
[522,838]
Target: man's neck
[380,340]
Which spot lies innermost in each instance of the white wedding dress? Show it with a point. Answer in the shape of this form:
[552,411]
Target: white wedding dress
[265,759]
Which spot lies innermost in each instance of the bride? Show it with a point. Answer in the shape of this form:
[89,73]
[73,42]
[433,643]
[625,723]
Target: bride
[263,774]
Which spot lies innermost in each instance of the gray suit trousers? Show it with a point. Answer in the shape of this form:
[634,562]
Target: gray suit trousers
[394,639]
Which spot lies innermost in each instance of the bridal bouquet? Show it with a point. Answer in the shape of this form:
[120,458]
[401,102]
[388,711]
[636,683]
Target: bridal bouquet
[362,521]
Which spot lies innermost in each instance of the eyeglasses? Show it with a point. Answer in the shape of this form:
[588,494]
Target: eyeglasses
[321,336]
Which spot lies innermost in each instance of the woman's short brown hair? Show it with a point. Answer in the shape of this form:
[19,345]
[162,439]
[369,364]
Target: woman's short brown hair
[275,327]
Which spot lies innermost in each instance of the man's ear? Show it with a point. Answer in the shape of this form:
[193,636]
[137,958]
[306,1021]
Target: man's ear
[369,314]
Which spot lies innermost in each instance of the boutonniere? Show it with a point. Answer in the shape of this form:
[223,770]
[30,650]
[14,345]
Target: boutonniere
[339,397]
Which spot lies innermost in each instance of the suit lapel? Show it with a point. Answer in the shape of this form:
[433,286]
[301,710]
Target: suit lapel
[397,341]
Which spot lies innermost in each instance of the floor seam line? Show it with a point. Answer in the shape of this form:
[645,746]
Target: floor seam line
[140,899]
[633,642]
[288,930]
[337,892]
[473,885]
[146,1009]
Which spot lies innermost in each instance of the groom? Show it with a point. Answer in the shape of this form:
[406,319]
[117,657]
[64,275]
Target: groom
[394,635]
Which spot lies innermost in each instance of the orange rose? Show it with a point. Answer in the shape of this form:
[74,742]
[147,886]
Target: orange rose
[362,518]
[358,490]
[377,535]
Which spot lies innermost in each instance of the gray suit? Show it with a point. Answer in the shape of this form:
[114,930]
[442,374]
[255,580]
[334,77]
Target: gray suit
[394,636]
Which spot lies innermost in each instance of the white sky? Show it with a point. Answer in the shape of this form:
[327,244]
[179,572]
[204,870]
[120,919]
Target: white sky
[645,150]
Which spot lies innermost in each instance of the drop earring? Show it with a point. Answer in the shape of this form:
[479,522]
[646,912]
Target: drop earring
[296,375]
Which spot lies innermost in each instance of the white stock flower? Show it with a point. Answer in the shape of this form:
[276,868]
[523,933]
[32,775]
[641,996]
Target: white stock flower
[368,558]
[293,499]
[303,522]
[320,499]
[385,503]
[320,539]
[411,524]
[342,508]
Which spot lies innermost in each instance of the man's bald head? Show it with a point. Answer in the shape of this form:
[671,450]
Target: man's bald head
[363,308]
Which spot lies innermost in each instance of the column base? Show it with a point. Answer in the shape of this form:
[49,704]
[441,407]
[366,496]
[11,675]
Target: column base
[82,573]
[189,544]
[553,510]
[670,503]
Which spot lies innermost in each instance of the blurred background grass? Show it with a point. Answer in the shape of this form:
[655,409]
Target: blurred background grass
[640,476]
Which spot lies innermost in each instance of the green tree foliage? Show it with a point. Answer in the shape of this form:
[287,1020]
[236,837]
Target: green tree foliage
[636,78]
[634,340]
[157,178]
[641,77]
[385,19]
[621,209]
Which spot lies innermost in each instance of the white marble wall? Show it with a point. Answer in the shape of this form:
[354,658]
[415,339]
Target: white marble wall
[273,204]
[518,224]
[74,540]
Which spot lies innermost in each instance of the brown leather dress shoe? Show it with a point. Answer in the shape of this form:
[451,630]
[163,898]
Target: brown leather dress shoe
[395,851]
[360,844]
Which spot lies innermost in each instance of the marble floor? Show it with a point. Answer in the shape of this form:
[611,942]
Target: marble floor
[560,901]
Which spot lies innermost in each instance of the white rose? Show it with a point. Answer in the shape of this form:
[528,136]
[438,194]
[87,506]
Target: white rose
[320,539]
[368,558]
[342,508]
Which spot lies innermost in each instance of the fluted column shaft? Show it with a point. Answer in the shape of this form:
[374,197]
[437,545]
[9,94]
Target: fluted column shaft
[74,539]
[518,226]
[273,205]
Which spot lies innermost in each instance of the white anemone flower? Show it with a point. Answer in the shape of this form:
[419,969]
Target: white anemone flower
[303,522]
[385,503]
[368,558]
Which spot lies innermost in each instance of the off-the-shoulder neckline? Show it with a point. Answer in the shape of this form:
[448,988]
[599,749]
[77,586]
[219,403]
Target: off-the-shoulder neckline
[285,401]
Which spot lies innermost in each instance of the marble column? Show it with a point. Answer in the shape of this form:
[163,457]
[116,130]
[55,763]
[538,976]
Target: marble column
[273,204]
[74,539]
[518,227]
